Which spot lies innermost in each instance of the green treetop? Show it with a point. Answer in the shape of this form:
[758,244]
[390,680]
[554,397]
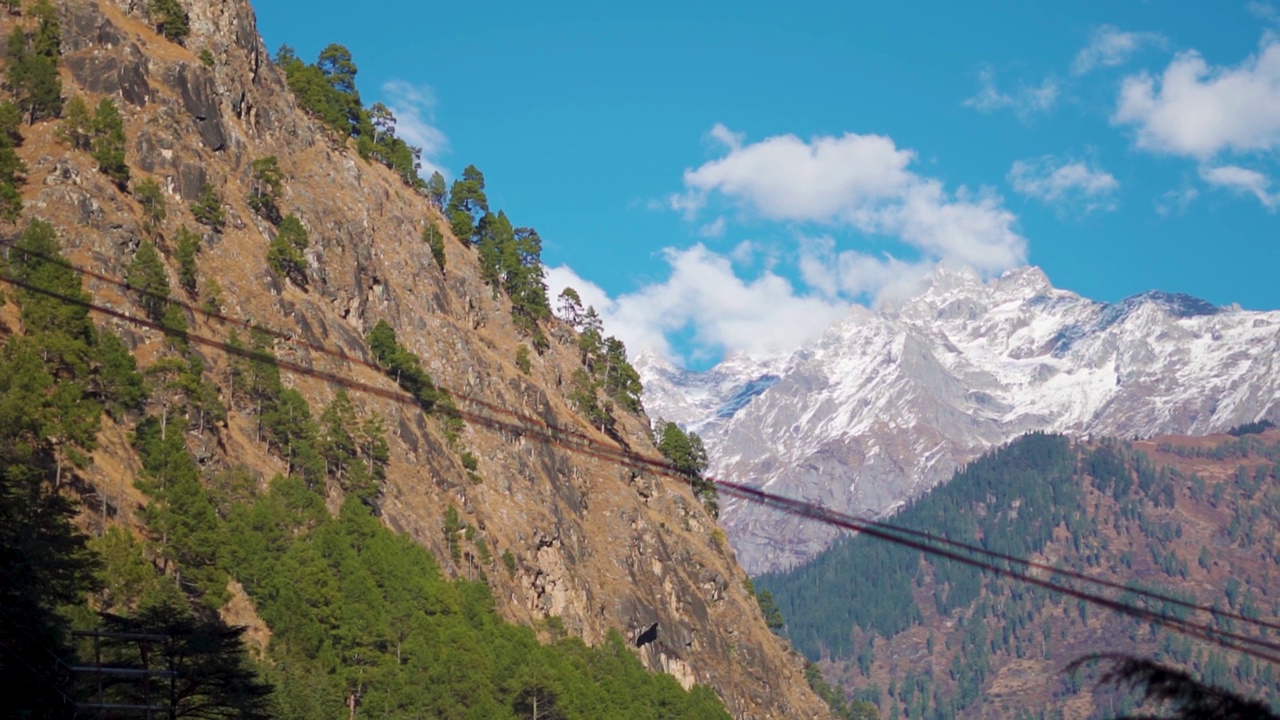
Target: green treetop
[170,19]
[285,253]
[151,198]
[109,141]
[436,189]
[77,124]
[147,278]
[467,203]
[688,457]
[33,68]
[208,208]
[266,188]
[11,166]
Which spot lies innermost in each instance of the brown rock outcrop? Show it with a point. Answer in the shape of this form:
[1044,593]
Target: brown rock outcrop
[595,545]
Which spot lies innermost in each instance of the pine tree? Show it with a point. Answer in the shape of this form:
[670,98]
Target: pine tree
[436,189]
[590,340]
[522,279]
[434,239]
[118,381]
[571,307]
[326,89]
[337,439]
[187,247]
[170,20]
[109,141]
[147,278]
[285,252]
[467,202]
[151,198]
[496,236]
[266,188]
[77,124]
[47,41]
[208,208]
[688,456]
[37,261]
[44,562]
[212,293]
[620,380]
[33,71]
[11,166]
[583,394]
[211,675]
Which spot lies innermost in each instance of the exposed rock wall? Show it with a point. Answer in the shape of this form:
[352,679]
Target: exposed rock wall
[595,545]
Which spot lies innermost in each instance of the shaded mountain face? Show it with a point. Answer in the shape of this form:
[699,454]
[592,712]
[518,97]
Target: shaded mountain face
[887,404]
[557,534]
[1192,519]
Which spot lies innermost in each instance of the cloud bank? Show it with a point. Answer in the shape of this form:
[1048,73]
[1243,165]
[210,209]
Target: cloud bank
[763,316]
[861,188]
[861,183]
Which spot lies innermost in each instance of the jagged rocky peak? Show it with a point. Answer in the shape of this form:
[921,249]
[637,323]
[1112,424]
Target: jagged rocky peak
[886,404]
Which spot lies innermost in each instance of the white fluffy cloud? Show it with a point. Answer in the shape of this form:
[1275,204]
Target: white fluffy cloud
[850,273]
[786,178]
[861,182]
[743,300]
[1110,46]
[1239,179]
[1026,101]
[1198,111]
[414,108]
[761,316]
[1072,184]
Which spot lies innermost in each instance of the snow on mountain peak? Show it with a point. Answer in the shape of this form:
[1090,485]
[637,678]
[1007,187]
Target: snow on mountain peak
[887,404]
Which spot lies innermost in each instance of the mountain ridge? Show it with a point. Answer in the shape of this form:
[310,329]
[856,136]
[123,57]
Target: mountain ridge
[1187,519]
[891,401]
[569,544]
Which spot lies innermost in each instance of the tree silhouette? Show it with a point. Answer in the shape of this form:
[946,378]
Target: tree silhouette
[1189,698]
[211,678]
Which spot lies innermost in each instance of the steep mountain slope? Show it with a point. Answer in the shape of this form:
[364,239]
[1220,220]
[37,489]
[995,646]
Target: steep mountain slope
[887,404]
[1193,518]
[594,547]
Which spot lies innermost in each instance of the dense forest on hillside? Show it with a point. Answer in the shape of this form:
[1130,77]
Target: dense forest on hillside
[359,616]
[926,637]
[355,618]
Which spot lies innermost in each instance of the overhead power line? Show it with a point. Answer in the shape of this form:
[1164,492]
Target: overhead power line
[579,441]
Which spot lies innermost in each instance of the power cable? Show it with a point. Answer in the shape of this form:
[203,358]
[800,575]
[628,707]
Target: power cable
[662,464]
[557,435]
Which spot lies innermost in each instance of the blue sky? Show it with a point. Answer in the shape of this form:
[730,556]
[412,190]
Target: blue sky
[730,176]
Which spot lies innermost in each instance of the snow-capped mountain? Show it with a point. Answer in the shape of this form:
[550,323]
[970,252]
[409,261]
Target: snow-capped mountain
[887,404]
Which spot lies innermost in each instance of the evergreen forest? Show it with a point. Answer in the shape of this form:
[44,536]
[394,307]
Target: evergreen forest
[361,619]
[1103,509]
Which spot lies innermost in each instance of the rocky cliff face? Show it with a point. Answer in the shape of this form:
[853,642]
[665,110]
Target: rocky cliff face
[888,404]
[595,545]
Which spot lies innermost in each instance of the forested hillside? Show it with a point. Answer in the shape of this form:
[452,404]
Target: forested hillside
[359,617]
[1192,519]
[247,356]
